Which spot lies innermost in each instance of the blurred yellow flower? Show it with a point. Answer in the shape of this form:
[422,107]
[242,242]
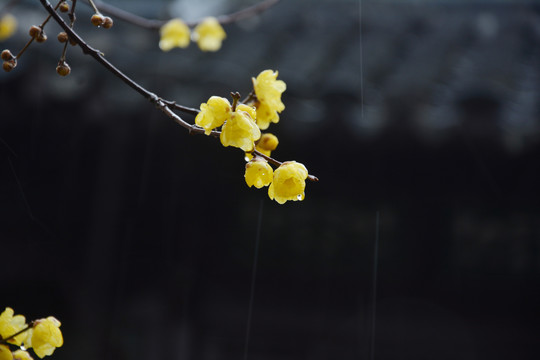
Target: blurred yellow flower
[5,353]
[45,336]
[10,325]
[175,33]
[21,355]
[240,129]
[268,91]
[289,182]
[213,113]
[258,173]
[8,25]
[209,34]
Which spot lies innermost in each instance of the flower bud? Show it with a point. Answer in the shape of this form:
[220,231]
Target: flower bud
[34,31]
[64,7]
[7,55]
[63,68]
[107,22]
[9,65]
[97,19]
[268,142]
[41,37]
[62,37]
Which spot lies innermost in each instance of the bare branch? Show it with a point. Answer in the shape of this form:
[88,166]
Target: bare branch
[163,105]
[153,24]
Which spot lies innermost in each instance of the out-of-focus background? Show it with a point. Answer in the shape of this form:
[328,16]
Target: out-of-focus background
[421,119]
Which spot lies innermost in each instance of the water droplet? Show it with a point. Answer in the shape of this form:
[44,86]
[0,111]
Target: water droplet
[300,196]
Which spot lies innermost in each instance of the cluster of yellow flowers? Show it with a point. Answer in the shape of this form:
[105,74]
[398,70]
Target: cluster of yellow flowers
[8,25]
[43,335]
[208,34]
[241,125]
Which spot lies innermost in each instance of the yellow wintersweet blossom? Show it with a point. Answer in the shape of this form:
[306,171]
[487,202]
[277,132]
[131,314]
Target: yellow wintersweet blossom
[10,325]
[240,130]
[45,336]
[258,173]
[213,113]
[289,182]
[5,353]
[8,25]
[175,33]
[209,34]
[21,355]
[268,91]
[267,143]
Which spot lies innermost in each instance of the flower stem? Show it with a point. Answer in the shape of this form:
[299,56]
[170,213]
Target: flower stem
[28,327]
[153,24]
[18,56]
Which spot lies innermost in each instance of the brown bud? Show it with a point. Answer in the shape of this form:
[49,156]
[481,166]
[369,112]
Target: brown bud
[63,68]
[34,31]
[72,41]
[64,7]
[41,37]
[107,22]
[62,37]
[7,55]
[97,19]
[9,65]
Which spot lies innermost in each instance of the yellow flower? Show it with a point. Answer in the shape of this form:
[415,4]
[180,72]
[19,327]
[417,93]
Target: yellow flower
[268,91]
[5,353]
[175,33]
[209,34]
[10,325]
[240,129]
[289,182]
[45,336]
[213,113]
[21,355]
[258,173]
[8,25]
[267,143]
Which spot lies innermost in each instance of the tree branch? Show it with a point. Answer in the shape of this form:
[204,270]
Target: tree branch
[163,105]
[153,24]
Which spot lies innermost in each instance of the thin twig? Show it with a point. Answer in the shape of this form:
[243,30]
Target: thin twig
[186,109]
[278,163]
[153,24]
[247,12]
[28,327]
[29,42]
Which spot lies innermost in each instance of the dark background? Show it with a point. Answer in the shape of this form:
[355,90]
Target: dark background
[421,120]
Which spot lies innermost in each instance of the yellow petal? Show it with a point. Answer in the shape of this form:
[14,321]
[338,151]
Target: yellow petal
[288,183]
[258,173]
[46,336]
